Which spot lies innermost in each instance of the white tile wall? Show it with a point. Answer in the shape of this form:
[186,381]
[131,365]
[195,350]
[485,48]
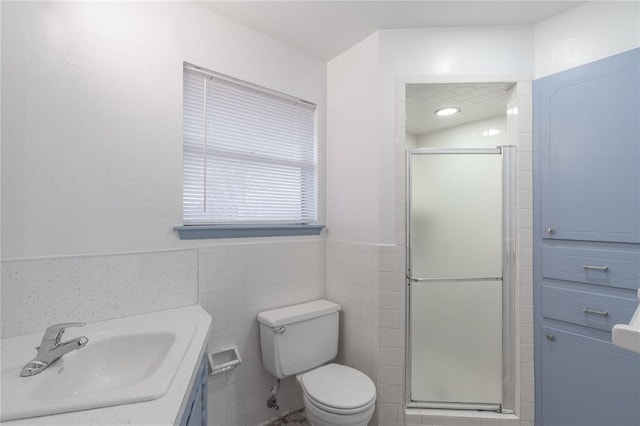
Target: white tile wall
[236,282]
[525,252]
[392,332]
[351,282]
[38,292]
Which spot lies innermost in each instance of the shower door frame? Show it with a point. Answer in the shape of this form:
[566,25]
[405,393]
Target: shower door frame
[508,153]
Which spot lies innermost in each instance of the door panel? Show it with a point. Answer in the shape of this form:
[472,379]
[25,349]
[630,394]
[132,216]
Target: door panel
[456,341]
[588,382]
[456,216]
[590,128]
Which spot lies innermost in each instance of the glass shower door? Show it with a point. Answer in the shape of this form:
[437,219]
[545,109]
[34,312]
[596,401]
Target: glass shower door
[455,270]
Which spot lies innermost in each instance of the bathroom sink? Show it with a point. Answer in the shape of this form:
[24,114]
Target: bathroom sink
[628,335]
[109,364]
[120,365]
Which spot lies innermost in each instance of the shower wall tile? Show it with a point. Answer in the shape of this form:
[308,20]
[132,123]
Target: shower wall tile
[430,420]
[525,239]
[526,296]
[388,413]
[237,281]
[525,392]
[391,332]
[526,314]
[526,198]
[524,160]
[526,181]
[389,394]
[525,123]
[526,143]
[526,276]
[416,418]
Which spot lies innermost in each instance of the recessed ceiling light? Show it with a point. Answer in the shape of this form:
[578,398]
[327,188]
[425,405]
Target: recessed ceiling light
[490,132]
[447,111]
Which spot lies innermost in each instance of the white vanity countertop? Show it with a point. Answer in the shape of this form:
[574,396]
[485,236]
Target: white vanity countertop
[628,335]
[166,410]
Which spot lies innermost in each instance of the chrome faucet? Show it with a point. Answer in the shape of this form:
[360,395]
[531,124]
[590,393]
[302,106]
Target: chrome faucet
[52,349]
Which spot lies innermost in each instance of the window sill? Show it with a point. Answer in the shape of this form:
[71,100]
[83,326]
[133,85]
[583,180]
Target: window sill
[200,232]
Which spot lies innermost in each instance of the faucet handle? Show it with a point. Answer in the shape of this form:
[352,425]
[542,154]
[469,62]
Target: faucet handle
[55,331]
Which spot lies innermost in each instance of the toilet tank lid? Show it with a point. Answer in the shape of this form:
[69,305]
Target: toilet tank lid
[296,313]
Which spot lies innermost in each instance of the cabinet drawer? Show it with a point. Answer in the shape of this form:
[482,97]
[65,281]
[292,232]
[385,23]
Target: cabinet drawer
[613,268]
[586,308]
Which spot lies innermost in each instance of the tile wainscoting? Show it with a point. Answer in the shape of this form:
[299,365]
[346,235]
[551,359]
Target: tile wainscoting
[236,282]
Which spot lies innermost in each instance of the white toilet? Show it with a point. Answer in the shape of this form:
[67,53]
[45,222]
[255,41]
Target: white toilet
[298,340]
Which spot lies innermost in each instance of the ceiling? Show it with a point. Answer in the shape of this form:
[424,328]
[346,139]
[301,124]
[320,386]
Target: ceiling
[327,28]
[477,101]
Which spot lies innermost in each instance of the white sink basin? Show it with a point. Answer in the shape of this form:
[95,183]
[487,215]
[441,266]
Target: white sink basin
[109,364]
[125,361]
[628,335]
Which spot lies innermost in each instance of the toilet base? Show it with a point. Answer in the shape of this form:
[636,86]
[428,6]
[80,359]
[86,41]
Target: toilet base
[318,417]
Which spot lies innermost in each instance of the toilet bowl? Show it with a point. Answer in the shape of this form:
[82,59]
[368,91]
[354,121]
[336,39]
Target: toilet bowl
[337,395]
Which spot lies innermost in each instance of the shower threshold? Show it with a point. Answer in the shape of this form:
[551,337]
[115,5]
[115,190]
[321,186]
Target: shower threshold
[455,406]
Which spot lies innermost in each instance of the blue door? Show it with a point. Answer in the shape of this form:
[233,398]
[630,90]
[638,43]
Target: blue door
[589,122]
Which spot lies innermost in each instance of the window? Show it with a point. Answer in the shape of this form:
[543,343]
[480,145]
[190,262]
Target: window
[250,159]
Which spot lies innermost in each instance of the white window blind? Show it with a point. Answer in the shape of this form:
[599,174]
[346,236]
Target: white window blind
[249,154]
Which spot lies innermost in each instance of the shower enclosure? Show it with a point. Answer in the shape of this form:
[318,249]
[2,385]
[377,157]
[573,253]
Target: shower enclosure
[460,271]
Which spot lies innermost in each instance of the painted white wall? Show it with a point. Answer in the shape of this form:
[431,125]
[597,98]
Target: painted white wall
[92,114]
[353,143]
[467,135]
[586,33]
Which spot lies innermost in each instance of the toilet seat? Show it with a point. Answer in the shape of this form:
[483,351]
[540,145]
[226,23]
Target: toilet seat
[338,411]
[338,389]
[319,417]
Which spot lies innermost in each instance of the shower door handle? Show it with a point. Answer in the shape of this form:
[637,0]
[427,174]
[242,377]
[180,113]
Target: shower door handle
[453,280]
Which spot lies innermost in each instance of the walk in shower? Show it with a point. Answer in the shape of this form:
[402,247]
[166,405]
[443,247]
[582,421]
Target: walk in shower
[461,265]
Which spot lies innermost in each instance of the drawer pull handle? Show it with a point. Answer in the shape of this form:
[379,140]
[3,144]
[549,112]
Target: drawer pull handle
[597,268]
[591,311]
[551,337]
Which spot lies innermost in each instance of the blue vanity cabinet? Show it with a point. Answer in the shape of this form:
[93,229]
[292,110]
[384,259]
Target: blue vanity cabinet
[196,412]
[586,242]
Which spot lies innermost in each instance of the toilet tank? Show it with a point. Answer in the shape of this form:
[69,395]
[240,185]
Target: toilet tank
[298,338]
